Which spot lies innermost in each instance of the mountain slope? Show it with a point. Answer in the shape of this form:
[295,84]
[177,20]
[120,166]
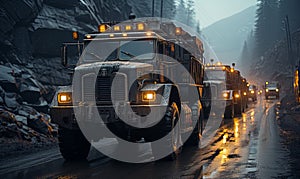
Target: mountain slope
[227,35]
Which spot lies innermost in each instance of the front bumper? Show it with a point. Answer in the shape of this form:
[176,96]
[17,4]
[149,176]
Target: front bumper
[70,116]
[272,93]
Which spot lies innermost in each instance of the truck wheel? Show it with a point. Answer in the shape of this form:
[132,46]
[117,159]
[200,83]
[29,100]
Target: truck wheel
[238,109]
[229,112]
[72,144]
[194,138]
[172,143]
[206,112]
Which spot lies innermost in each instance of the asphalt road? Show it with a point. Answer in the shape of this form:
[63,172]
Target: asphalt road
[245,147]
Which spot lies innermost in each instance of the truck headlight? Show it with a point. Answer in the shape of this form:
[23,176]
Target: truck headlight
[64,98]
[149,96]
[277,90]
[225,95]
[236,95]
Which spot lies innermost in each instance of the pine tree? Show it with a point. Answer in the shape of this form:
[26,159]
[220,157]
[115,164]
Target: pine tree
[143,8]
[291,8]
[169,9]
[181,12]
[185,13]
[267,27]
[190,5]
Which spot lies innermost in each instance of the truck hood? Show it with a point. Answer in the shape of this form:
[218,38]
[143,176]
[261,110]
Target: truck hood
[217,82]
[116,64]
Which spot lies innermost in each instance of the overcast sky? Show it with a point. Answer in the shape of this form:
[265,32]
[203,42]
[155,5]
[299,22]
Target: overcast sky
[210,11]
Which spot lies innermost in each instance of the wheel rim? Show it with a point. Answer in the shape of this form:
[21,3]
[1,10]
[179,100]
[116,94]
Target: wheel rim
[176,137]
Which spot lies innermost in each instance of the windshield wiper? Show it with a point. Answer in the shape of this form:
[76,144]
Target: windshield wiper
[128,54]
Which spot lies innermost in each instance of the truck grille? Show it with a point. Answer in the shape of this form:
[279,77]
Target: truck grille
[120,87]
[103,89]
[105,93]
[87,82]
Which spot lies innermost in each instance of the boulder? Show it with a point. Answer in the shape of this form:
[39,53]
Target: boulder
[66,4]
[11,101]
[7,117]
[2,94]
[7,81]
[26,110]
[30,94]
[21,119]
[41,105]
[11,131]
[17,11]
[39,124]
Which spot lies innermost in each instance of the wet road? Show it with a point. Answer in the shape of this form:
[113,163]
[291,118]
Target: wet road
[245,147]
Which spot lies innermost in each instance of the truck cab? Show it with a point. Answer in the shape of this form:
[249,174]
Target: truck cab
[219,96]
[252,92]
[272,89]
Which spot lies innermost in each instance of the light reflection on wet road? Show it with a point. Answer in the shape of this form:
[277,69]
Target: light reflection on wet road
[244,147]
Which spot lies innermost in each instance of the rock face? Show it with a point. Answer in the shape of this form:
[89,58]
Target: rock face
[31,33]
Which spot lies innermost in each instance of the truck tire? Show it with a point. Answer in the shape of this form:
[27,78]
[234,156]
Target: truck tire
[72,144]
[229,112]
[238,109]
[194,138]
[172,143]
[206,112]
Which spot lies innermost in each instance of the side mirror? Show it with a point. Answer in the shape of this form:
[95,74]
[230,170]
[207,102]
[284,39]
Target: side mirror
[64,56]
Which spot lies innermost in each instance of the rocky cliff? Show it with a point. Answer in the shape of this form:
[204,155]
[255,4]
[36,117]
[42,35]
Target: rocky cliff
[31,33]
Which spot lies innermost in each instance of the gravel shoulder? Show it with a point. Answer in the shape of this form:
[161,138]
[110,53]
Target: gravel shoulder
[11,148]
[289,122]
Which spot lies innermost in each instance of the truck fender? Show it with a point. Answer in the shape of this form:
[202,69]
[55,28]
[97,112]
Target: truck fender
[169,93]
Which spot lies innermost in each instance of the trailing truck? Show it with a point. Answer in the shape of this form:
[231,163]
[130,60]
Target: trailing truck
[272,89]
[252,93]
[218,96]
[225,91]
[128,75]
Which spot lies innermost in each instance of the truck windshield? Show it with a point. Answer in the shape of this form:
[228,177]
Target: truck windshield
[251,87]
[99,50]
[271,85]
[215,75]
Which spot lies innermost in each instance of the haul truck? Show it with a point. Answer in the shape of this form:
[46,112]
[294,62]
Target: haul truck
[272,89]
[218,92]
[136,47]
[225,90]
